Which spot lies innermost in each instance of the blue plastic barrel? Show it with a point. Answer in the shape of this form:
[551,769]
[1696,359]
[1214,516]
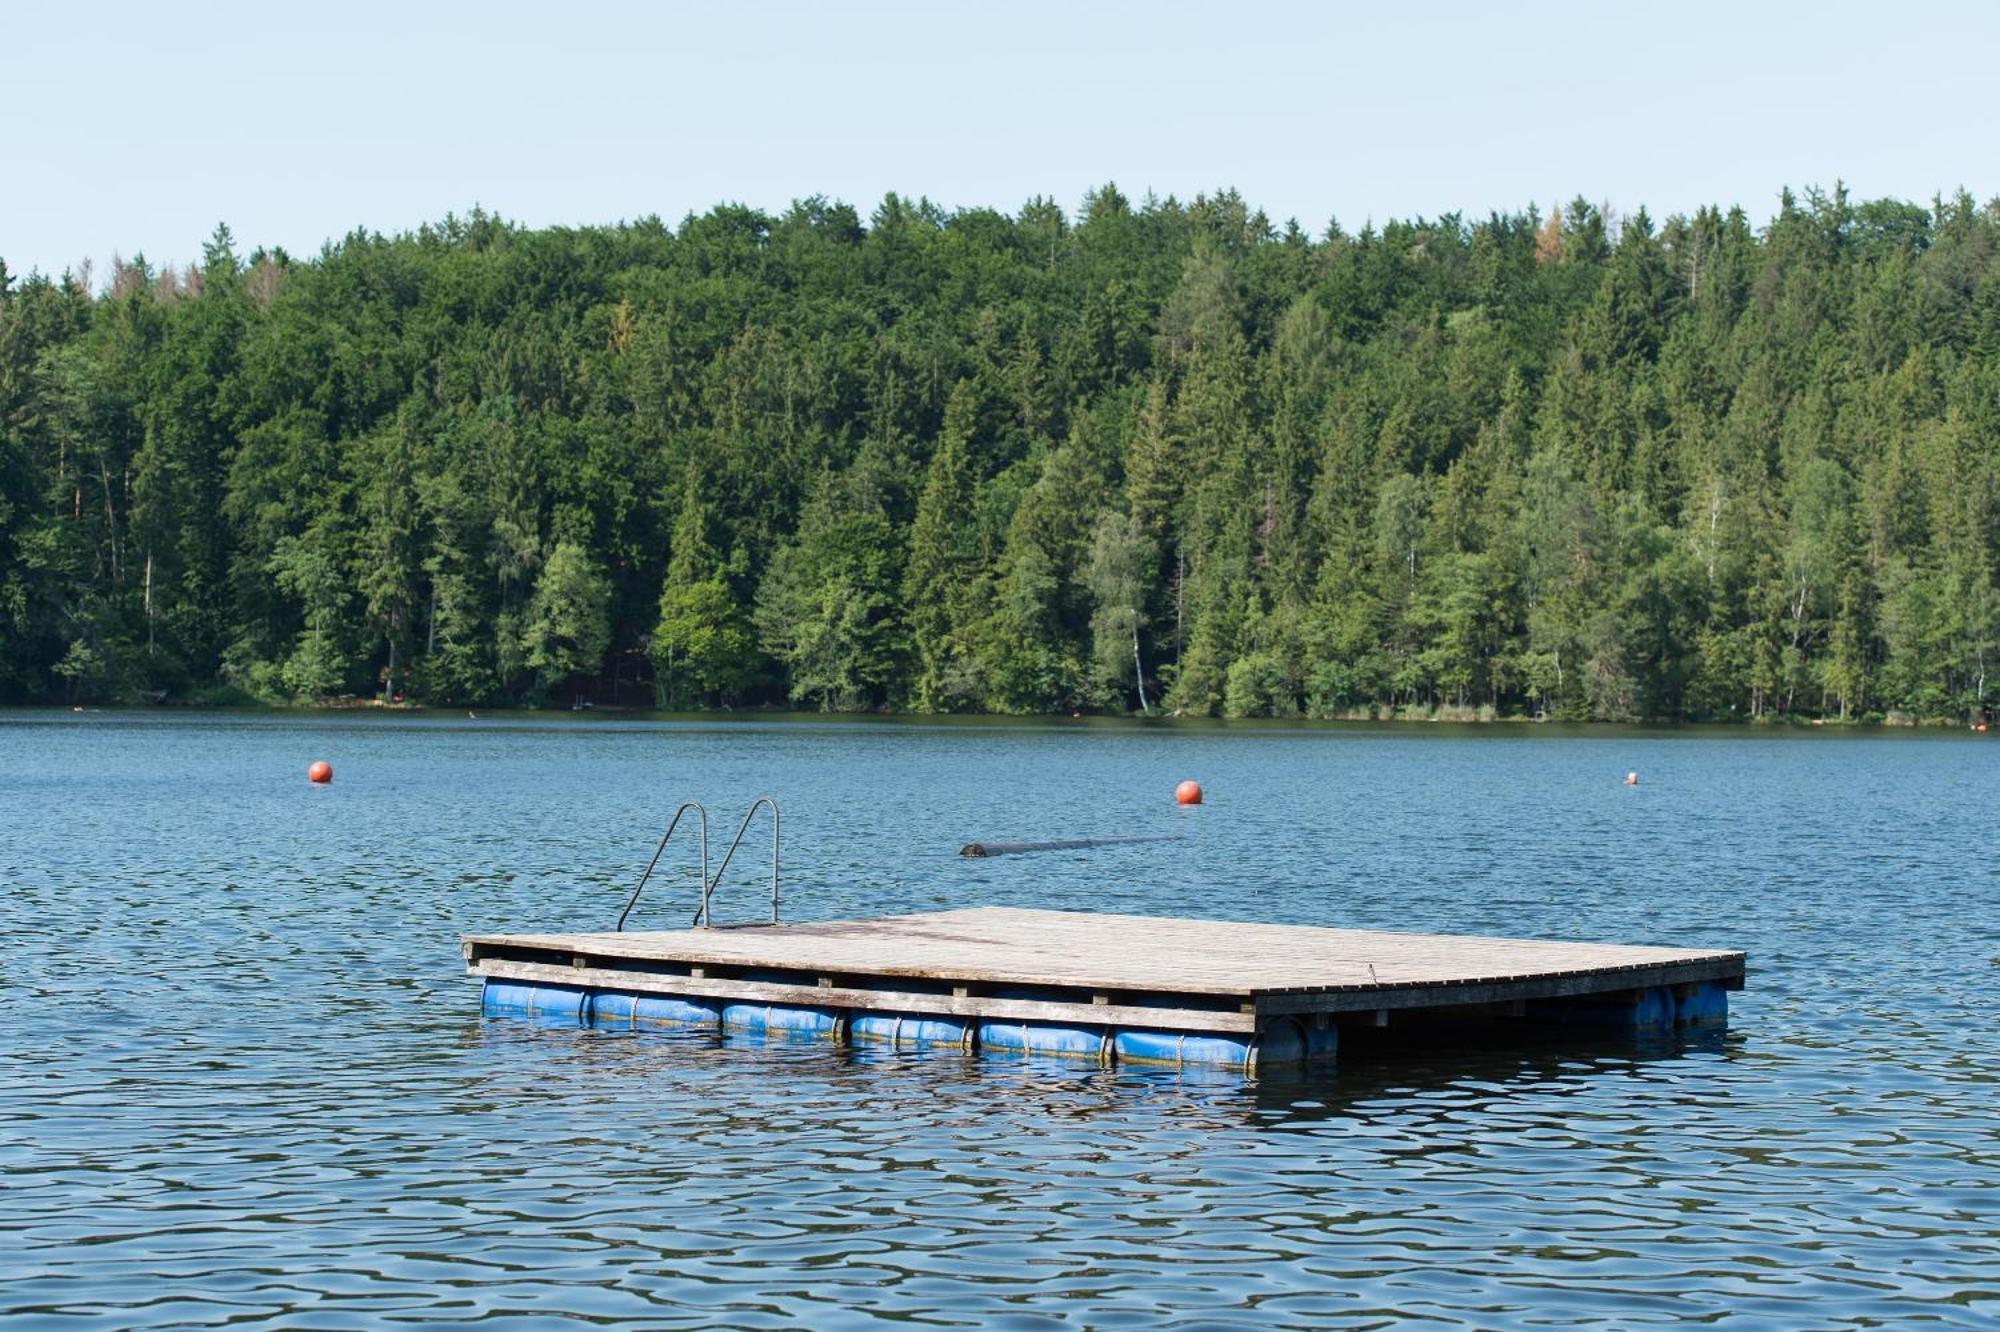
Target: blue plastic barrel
[1283,1041]
[1652,1007]
[780,1020]
[1042,1038]
[1705,1003]
[1176,1048]
[1294,1041]
[521,999]
[910,1029]
[612,1008]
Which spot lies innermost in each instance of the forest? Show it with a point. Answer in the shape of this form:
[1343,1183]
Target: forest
[1155,457]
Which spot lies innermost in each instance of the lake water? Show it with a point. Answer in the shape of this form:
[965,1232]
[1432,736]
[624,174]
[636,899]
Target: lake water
[245,1080]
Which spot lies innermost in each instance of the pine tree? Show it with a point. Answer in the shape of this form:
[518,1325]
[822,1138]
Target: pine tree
[701,646]
[943,562]
[567,626]
[1549,240]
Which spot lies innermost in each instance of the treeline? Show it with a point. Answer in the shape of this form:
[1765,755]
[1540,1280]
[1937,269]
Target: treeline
[1168,456]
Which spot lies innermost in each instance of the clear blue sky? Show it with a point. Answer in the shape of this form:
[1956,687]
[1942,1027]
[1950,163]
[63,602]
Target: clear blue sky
[137,128]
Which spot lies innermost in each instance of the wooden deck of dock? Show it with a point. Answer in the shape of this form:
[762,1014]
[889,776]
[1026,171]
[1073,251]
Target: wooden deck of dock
[1087,972]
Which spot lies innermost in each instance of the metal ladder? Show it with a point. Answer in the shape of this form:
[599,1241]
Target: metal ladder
[707,883]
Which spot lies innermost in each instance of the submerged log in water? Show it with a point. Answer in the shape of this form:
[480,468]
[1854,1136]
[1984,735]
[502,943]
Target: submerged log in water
[979,850]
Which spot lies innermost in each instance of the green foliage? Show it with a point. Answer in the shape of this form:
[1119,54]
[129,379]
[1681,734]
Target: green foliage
[702,648]
[1120,575]
[568,622]
[308,568]
[826,610]
[1162,454]
[943,578]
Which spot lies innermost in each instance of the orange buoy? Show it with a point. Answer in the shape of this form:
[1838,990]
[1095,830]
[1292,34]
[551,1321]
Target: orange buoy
[1188,793]
[321,772]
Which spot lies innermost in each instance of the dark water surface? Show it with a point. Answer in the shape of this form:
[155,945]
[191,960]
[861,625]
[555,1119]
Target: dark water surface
[243,1079]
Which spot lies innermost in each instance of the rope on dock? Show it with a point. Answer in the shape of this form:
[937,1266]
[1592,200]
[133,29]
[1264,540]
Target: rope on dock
[980,850]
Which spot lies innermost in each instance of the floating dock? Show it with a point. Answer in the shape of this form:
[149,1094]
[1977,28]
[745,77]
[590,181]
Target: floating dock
[1130,989]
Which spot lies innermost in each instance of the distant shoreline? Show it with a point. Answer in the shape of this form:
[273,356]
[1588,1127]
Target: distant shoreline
[1483,718]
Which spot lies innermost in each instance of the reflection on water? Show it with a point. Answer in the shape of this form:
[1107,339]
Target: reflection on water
[244,1079]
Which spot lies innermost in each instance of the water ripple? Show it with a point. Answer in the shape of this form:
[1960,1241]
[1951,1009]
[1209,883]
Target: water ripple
[245,1083]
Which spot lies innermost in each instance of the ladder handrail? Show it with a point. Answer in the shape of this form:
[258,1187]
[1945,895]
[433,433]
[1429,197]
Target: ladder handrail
[701,915]
[665,837]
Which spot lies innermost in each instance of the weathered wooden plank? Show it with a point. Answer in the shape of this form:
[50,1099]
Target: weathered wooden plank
[1553,986]
[1308,968]
[882,1001]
